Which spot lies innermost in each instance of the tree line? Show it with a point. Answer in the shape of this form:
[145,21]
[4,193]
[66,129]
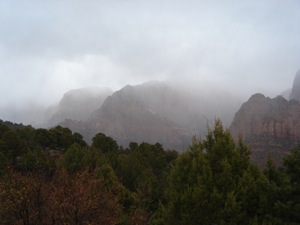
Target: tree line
[52,176]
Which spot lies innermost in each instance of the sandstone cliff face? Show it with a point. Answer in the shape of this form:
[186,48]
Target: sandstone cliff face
[270,126]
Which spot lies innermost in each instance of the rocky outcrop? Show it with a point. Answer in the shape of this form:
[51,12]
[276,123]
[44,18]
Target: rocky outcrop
[295,94]
[270,126]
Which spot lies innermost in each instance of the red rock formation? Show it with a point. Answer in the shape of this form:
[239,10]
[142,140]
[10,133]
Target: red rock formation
[270,126]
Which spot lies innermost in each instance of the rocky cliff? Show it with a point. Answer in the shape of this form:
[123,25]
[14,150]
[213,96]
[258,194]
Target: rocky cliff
[270,126]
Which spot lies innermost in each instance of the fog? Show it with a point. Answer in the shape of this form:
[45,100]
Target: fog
[50,47]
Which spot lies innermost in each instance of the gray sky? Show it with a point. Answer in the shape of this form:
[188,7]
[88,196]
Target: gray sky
[50,47]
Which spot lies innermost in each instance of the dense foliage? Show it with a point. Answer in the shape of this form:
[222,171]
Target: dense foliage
[53,177]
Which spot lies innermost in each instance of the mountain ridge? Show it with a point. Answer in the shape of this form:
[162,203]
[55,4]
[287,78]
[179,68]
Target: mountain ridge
[154,111]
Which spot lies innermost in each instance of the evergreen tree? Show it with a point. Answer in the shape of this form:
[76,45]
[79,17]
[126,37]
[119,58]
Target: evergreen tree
[213,182]
[104,143]
[288,208]
[73,159]
[33,160]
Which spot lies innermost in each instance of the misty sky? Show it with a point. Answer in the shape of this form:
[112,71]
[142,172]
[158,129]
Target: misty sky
[50,47]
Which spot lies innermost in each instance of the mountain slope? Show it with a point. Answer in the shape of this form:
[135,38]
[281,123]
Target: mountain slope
[78,104]
[151,112]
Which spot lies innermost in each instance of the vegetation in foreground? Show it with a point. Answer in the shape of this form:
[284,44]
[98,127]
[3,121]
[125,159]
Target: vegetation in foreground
[54,177]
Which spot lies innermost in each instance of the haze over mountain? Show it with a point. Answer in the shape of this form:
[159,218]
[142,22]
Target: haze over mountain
[286,94]
[171,114]
[156,112]
[77,104]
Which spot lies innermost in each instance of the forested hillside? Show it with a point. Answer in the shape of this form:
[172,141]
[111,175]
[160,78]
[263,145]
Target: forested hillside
[53,177]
